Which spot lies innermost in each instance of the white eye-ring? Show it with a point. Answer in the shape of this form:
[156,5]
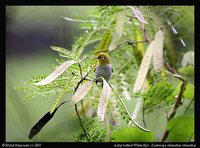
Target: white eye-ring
[102,57]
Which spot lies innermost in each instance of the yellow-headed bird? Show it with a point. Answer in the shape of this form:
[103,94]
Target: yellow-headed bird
[103,67]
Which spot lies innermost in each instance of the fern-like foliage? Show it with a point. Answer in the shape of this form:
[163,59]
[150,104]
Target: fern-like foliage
[125,59]
[158,96]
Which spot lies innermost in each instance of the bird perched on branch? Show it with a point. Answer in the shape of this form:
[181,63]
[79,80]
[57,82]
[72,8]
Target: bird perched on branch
[103,67]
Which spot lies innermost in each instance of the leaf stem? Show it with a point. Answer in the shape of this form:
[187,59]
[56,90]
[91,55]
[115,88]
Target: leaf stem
[128,111]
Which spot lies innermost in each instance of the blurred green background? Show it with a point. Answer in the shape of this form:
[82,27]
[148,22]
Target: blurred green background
[30,31]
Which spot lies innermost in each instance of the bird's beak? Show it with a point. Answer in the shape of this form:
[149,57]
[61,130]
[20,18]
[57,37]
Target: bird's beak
[98,57]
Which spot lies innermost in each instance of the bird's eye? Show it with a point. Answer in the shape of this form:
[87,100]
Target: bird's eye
[102,57]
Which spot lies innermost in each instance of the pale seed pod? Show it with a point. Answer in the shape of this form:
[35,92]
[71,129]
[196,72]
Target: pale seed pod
[144,67]
[81,92]
[105,95]
[138,14]
[56,73]
[119,26]
[158,51]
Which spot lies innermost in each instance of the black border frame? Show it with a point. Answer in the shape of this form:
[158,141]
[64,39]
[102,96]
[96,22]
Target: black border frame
[3,5]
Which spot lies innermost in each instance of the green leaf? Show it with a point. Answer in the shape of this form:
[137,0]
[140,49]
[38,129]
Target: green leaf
[158,96]
[161,89]
[181,128]
[188,93]
[189,70]
[132,134]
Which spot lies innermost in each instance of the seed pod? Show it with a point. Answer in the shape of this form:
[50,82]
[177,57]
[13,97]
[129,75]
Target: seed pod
[81,92]
[158,51]
[144,66]
[119,26]
[56,73]
[138,14]
[42,122]
[105,41]
[105,95]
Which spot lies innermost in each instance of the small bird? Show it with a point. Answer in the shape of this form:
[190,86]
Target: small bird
[103,67]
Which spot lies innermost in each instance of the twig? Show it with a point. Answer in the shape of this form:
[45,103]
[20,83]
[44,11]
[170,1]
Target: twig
[169,68]
[176,105]
[81,73]
[85,133]
[136,42]
[146,36]
[130,42]
[82,78]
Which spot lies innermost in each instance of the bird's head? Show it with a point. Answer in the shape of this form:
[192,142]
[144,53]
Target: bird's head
[103,58]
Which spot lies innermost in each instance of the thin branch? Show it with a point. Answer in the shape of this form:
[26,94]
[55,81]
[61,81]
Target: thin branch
[146,36]
[81,73]
[169,68]
[136,42]
[85,133]
[131,42]
[176,106]
[82,79]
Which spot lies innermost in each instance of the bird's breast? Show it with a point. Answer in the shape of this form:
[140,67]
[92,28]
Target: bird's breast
[103,71]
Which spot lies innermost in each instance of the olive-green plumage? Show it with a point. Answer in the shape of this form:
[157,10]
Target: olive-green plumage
[103,58]
[103,68]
